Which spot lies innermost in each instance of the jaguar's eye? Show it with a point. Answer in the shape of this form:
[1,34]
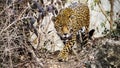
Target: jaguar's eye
[59,27]
[70,16]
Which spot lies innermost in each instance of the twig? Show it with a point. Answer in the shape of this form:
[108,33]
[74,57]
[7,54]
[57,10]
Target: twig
[111,14]
[18,19]
[103,12]
[5,9]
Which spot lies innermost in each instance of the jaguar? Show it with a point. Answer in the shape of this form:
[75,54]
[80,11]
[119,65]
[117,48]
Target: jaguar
[72,26]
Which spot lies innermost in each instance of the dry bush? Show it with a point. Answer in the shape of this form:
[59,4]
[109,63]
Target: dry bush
[16,22]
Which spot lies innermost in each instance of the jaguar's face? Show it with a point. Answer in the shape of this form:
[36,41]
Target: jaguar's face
[63,24]
[63,30]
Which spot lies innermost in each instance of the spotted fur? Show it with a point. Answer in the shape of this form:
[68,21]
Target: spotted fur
[68,23]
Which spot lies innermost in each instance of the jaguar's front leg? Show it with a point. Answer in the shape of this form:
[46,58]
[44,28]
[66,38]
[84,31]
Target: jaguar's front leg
[63,55]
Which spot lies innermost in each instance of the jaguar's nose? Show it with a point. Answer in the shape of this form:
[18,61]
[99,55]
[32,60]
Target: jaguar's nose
[65,34]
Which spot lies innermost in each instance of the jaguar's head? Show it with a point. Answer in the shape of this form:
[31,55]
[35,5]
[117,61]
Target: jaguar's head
[63,23]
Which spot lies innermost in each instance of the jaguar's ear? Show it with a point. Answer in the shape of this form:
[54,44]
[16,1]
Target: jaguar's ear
[53,18]
[91,32]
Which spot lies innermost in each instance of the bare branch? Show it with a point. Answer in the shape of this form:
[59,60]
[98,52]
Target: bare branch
[111,14]
[18,19]
[103,12]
